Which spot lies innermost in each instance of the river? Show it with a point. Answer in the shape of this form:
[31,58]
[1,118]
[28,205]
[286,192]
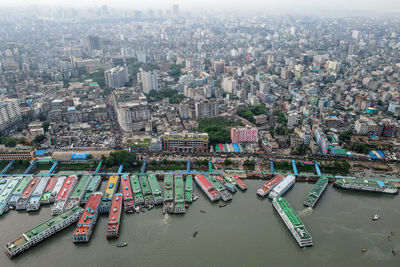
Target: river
[247,232]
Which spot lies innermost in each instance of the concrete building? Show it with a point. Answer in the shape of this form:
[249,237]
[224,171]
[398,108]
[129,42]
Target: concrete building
[116,77]
[365,125]
[321,141]
[132,109]
[229,85]
[148,80]
[184,111]
[10,114]
[206,109]
[36,128]
[93,42]
[293,119]
[218,66]
[185,142]
[244,135]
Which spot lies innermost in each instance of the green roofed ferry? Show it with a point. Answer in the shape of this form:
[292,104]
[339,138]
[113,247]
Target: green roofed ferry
[293,223]
[316,192]
[366,185]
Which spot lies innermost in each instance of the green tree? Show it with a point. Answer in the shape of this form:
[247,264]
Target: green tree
[249,164]
[99,78]
[228,162]
[360,148]
[345,137]
[39,139]
[45,126]
[175,71]
[109,161]
[10,142]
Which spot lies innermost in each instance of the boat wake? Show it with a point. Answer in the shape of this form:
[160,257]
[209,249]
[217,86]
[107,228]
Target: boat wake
[166,220]
[305,212]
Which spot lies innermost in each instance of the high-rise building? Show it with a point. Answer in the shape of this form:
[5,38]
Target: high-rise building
[206,109]
[94,42]
[185,142]
[184,111]
[132,109]
[175,10]
[104,10]
[321,140]
[116,77]
[244,135]
[355,35]
[141,56]
[218,66]
[10,114]
[229,84]
[148,80]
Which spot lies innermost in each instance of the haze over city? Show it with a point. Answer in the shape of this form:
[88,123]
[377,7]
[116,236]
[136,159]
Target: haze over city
[200,133]
[307,6]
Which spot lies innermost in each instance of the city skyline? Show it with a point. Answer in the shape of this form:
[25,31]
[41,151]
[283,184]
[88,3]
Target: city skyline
[390,6]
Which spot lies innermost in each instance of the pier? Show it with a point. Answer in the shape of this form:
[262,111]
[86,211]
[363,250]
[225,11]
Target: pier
[143,169]
[53,168]
[188,166]
[9,165]
[98,167]
[271,166]
[121,167]
[294,167]
[317,169]
[30,168]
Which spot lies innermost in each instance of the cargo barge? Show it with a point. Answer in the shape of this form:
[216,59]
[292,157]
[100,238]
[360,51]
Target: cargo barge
[189,188]
[366,185]
[18,191]
[63,195]
[114,218]
[155,189]
[179,201]
[316,192]
[57,188]
[126,188]
[6,194]
[45,199]
[268,186]
[93,185]
[42,231]
[225,195]
[137,190]
[79,191]
[292,221]
[168,206]
[282,187]
[207,187]
[240,184]
[88,219]
[148,196]
[35,200]
[111,189]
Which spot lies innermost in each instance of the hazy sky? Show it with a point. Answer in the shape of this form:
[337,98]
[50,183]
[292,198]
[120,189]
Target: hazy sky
[371,5]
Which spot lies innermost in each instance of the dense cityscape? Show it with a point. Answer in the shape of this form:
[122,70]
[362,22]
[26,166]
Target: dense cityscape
[105,110]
